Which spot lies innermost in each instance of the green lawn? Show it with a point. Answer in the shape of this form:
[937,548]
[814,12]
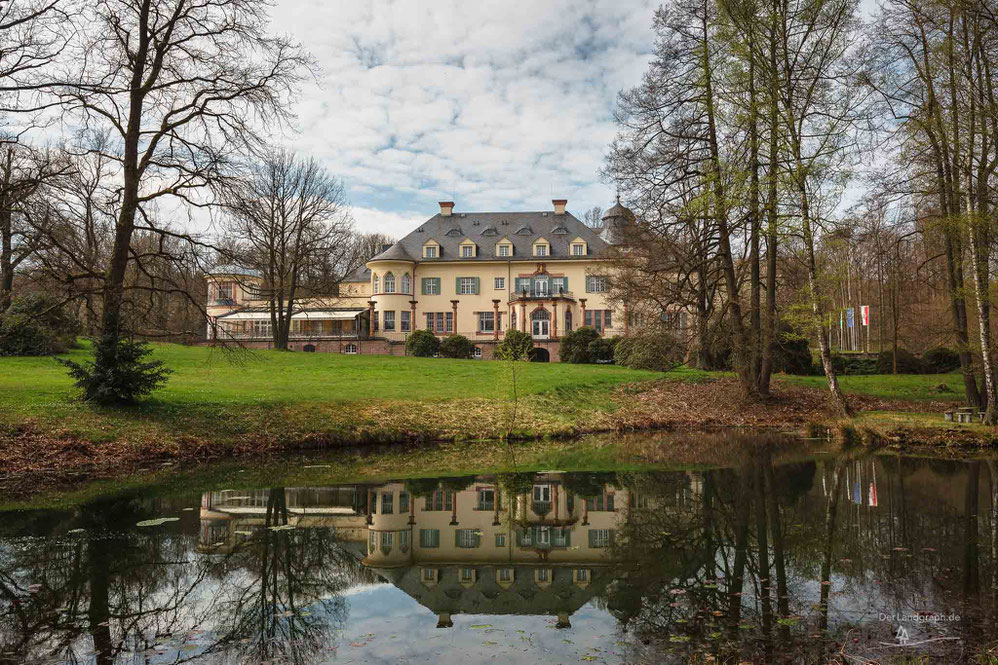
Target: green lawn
[219,393]
[893,386]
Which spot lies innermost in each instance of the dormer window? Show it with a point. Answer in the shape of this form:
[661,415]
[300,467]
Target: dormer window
[504,248]
[542,247]
[431,249]
[468,249]
[579,247]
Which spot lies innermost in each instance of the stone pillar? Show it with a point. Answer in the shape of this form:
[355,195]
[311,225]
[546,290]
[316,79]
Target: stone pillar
[554,320]
[523,316]
[582,304]
[495,308]
[627,319]
[370,318]
[444,620]
[563,621]
[412,508]
[412,323]
[453,514]
[453,305]
[585,511]
[370,496]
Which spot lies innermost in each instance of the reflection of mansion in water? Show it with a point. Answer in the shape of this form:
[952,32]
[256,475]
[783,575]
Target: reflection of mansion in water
[539,549]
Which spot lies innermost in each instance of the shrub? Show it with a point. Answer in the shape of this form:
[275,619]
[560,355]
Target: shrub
[941,360]
[36,325]
[577,346]
[456,346]
[792,355]
[649,349]
[907,363]
[119,374]
[422,343]
[516,345]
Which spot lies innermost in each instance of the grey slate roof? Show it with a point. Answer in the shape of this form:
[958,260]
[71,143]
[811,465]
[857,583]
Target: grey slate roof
[361,274]
[487,228]
[485,596]
[396,252]
[232,269]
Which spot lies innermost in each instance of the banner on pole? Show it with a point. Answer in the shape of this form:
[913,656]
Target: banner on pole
[864,311]
[850,317]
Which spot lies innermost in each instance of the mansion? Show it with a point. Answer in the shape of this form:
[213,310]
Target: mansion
[477,274]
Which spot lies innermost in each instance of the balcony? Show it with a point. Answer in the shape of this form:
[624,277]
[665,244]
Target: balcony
[542,294]
[221,302]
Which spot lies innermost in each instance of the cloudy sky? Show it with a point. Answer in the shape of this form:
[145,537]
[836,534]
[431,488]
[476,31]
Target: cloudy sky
[496,106]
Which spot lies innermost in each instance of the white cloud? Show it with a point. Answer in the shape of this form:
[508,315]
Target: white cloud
[500,105]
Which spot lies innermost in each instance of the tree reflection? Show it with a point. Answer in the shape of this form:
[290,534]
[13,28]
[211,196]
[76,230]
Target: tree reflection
[281,599]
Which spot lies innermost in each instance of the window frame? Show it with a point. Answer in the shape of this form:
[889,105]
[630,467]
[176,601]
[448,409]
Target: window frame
[499,283]
[483,318]
[389,321]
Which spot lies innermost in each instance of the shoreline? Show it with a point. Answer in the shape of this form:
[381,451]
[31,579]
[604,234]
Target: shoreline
[35,454]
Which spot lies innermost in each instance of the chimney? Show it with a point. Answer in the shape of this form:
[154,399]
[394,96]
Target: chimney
[446,208]
[559,206]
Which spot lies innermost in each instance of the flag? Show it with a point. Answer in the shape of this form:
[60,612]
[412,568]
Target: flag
[865,314]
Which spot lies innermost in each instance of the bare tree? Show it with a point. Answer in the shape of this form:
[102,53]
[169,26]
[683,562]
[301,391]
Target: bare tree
[593,218]
[289,220]
[182,88]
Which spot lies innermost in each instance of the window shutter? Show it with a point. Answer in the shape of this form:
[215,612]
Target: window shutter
[422,286]
[457,285]
[564,280]
[587,285]
[477,283]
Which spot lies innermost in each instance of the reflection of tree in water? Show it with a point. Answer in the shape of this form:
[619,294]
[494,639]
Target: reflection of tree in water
[761,559]
[114,591]
[281,601]
[108,591]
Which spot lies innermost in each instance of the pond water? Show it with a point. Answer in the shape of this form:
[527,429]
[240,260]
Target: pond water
[842,556]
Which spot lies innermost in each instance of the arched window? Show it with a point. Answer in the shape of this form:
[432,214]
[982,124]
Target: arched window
[377,284]
[350,349]
[389,283]
[568,320]
[406,283]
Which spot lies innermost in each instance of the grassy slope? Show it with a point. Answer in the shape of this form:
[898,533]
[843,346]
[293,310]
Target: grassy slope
[228,394]
[921,387]
[267,398]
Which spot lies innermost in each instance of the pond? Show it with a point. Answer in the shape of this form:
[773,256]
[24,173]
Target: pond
[808,556]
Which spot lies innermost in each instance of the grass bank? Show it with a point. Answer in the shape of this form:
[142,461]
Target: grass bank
[218,404]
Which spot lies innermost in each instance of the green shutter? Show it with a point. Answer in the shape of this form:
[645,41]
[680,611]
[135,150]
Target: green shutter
[457,285]
[422,285]
[436,281]
[587,285]
[564,280]
[477,283]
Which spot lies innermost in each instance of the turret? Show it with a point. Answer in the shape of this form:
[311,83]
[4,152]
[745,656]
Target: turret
[615,222]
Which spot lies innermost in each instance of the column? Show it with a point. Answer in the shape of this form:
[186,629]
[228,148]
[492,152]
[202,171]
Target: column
[495,506]
[523,316]
[412,508]
[582,304]
[370,318]
[370,495]
[453,514]
[412,323]
[453,305]
[495,308]
[554,320]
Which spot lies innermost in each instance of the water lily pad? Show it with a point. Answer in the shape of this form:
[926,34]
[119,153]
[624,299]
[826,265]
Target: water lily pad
[158,521]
